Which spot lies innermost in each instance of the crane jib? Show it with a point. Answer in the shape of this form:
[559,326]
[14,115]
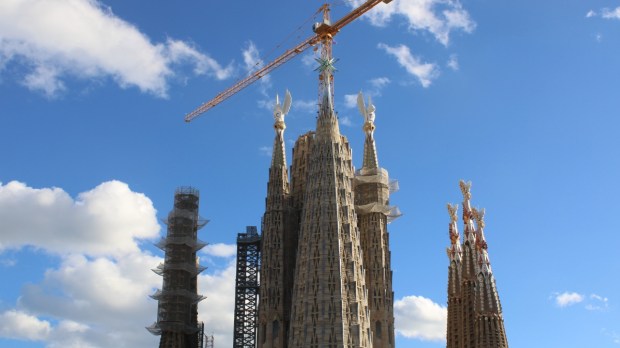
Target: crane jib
[322,31]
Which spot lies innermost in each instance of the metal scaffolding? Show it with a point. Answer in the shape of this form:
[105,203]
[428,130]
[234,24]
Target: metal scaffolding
[209,341]
[247,288]
[177,313]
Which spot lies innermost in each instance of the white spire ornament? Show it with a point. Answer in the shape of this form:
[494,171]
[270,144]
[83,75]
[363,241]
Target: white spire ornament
[280,110]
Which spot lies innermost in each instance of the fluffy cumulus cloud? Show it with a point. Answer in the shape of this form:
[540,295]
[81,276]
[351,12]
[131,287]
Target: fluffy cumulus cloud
[424,72]
[593,302]
[221,249]
[421,318]
[217,310]
[55,39]
[107,220]
[97,295]
[19,325]
[437,17]
[566,299]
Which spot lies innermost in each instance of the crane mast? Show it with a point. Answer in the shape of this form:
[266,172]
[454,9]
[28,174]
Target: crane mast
[324,33]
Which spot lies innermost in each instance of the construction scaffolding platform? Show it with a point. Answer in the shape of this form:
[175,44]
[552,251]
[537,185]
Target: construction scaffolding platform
[247,288]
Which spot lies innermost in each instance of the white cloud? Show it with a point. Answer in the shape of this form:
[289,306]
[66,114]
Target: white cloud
[420,317]
[220,249]
[453,62]
[350,100]
[8,262]
[346,121]
[253,63]
[85,40]
[605,13]
[22,326]
[566,299]
[217,310]
[95,297]
[424,72]
[107,220]
[100,302]
[379,82]
[611,14]
[44,79]
[597,303]
[438,17]
[266,150]
[305,105]
[309,60]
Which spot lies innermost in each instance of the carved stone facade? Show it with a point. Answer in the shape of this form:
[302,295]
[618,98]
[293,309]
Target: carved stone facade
[475,317]
[325,275]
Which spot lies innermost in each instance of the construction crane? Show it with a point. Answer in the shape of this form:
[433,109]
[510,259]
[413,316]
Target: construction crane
[323,34]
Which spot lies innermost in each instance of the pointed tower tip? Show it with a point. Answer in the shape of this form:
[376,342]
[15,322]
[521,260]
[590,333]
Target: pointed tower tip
[279,111]
[370,151]
[465,189]
[454,251]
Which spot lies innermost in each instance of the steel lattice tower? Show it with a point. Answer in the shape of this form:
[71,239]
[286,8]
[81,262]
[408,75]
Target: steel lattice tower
[246,288]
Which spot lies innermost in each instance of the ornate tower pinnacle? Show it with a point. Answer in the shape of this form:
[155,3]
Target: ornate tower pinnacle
[475,317]
[278,243]
[370,150]
[279,111]
[467,213]
[454,251]
[481,244]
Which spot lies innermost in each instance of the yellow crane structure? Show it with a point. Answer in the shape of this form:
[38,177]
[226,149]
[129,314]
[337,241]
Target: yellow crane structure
[323,34]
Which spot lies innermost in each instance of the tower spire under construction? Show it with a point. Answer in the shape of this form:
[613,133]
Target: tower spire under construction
[177,313]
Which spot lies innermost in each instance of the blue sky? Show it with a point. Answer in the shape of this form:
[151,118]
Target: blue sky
[521,98]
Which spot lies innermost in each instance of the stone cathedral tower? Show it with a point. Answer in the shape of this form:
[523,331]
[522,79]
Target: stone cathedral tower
[325,275]
[474,312]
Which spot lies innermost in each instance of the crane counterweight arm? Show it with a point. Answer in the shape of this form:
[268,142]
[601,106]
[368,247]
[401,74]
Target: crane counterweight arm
[286,56]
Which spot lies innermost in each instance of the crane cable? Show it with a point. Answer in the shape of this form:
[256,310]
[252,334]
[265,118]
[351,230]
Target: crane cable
[265,57]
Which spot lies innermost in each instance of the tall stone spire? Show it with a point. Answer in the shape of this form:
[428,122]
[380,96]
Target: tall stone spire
[474,312]
[330,305]
[279,243]
[372,193]
[455,304]
[489,325]
[469,269]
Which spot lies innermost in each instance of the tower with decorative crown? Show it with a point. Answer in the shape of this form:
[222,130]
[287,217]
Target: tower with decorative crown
[325,275]
[372,192]
[475,317]
[177,313]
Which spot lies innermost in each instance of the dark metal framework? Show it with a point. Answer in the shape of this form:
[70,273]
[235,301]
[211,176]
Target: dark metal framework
[177,313]
[247,288]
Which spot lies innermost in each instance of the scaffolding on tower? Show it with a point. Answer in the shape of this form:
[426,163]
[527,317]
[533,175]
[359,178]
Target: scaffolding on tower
[177,313]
